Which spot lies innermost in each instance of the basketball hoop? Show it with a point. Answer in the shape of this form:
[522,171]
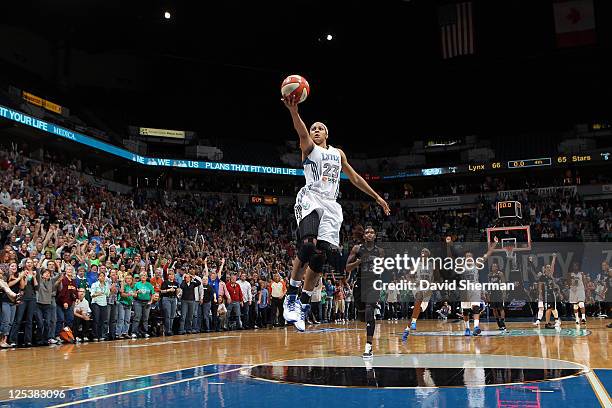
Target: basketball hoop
[510,254]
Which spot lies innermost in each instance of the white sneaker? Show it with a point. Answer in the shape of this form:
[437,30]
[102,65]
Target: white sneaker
[300,323]
[536,323]
[85,339]
[292,308]
[146,335]
[133,336]
[367,354]
[78,339]
[52,341]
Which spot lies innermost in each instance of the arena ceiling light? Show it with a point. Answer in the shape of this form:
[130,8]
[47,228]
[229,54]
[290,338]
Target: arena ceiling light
[167,15]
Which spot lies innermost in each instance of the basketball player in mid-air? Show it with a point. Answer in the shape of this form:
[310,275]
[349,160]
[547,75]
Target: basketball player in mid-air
[362,256]
[319,216]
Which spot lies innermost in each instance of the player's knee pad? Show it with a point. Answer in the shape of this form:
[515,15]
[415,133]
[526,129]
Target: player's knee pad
[424,305]
[325,252]
[581,304]
[575,307]
[307,249]
[317,260]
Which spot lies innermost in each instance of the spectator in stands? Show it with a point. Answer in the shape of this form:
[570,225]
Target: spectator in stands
[82,318]
[236,303]
[277,295]
[45,303]
[196,321]
[208,297]
[9,306]
[142,306]
[315,302]
[157,280]
[330,301]
[188,302]
[169,291]
[263,306]
[113,305]
[100,291]
[127,295]
[324,304]
[349,310]
[156,316]
[247,299]
[222,315]
[25,310]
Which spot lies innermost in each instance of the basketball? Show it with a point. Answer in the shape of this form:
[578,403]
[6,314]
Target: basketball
[295,86]
[66,335]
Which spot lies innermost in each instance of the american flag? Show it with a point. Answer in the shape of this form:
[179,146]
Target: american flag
[456,29]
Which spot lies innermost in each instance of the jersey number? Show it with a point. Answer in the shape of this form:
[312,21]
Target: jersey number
[331,170]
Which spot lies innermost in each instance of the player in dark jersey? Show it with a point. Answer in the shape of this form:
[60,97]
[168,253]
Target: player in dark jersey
[548,295]
[362,256]
[424,272]
[496,300]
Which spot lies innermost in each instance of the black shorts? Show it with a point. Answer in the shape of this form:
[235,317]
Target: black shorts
[308,227]
[496,305]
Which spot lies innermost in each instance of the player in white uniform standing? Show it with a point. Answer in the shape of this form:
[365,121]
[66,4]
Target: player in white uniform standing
[318,215]
[577,293]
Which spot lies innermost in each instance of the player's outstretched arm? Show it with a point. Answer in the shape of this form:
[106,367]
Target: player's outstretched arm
[361,184]
[491,247]
[352,262]
[306,143]
[553,262]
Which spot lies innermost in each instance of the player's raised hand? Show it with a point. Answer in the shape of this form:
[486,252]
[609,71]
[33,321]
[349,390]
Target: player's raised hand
[384,205]
[291,103]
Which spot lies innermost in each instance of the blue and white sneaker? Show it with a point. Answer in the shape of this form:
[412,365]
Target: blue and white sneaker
[405,335]
[477,331]
[413,326]
[468,332]
[292,308]
[300,323]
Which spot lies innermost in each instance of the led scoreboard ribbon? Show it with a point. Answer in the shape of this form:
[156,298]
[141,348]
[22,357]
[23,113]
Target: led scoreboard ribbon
[544,161]
[51,128]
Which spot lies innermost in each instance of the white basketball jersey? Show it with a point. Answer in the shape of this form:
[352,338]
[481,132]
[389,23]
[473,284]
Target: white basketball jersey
[576,281]
[471,274]
[424,271]
[322,170]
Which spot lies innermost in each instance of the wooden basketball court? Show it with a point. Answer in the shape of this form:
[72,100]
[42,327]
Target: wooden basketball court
[437,366]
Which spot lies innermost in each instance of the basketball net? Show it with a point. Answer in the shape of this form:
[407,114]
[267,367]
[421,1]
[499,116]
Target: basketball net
[510,254]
